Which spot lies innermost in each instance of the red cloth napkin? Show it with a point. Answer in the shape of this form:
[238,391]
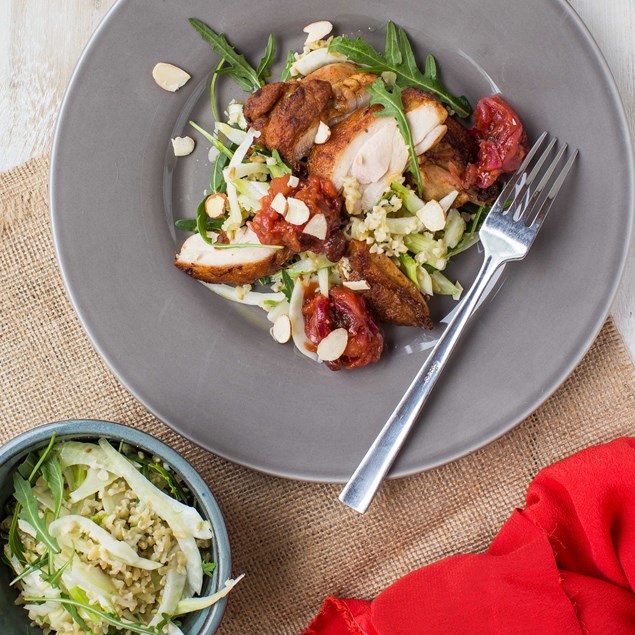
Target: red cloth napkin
[563,565]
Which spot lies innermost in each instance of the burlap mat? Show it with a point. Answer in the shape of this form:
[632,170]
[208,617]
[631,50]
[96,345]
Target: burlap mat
[295,541]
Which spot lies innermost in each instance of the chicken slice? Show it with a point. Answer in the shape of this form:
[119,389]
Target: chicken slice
[288,114]
[349,85]
[392,296]
[242,265]
[443,168]
[372,149]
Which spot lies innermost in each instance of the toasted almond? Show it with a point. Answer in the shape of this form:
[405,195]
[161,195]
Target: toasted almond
[169,77]
[317,30]
[323,134]
[215,205]
[356,285]
[183,146]
[432,215]
[447,201]
[332,347]
[293,181]
[316,227]
[279,203]
[297,211]
[281,329]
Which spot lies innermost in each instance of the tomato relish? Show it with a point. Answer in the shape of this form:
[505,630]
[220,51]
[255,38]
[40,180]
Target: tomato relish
[343,309]
[501,139]
[321,197]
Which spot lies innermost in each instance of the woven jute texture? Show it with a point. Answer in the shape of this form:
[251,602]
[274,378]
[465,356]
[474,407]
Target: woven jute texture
[295,541]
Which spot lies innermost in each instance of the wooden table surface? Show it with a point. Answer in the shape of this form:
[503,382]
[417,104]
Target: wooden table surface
[40,42]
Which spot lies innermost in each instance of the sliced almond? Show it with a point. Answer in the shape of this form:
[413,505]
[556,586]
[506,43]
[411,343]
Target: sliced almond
[432,215]
[317,31]
[297,211]
[356,285]
[215,205]
[316,227]
[447,201]
[281,329]
[169,77]
[332,347]
[323,134]
[293,181]
[279,203]
[183,146]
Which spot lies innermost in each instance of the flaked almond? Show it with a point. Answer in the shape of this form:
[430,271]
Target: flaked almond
[432,215]
[316,227]
[279,203]
[169,77]
[215,205]
[183,146]
[323,134]
[293,181]
[297,212]
[317,31]
[281,329]
[332,347]
[356,285]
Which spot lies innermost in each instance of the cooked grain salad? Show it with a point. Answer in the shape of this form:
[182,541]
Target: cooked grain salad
[105,540]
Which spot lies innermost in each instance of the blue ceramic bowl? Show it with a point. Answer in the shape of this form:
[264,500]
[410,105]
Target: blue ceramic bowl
[13,619]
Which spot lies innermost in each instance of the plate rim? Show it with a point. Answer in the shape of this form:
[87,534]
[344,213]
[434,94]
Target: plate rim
[451,456]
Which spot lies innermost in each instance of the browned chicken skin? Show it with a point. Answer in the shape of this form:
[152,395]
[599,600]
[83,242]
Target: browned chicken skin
[349,85]
[392,296]
[443,167]
[288,114]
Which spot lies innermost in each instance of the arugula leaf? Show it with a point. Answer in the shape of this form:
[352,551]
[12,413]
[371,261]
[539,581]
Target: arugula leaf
[392,53]
[209,568]
[400,59]
[288,284]
[110,618]
[201,222]
[52,474]
[30,512]
[34,566]
[240,70]
[264,67]
[286,73]
[390,99]
[217,182]
[212,88]
[189,224]
[54,578]
[27,466]
[15,544]
[213,140]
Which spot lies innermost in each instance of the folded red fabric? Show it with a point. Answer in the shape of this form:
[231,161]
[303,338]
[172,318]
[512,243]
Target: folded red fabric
[563,565]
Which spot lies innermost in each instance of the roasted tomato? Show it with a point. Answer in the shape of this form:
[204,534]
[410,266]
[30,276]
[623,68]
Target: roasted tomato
[321,197]
[501,139]
[344,309]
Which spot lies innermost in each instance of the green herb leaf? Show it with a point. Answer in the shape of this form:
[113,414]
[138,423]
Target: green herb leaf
[52,474]
[264,67]
[209,568]
[390,99]
[288,285]
[400,59]
[213,140]
[212,89]
[54,578]
[38,465]
[15,544]
[28,465]
[189,224]
[286,73]
[30,512]
[109,618]
[201,222]
[240,70]
[34,566]
[217,181]
[392,53]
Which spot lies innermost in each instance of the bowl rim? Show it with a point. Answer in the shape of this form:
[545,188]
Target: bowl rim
[109,429]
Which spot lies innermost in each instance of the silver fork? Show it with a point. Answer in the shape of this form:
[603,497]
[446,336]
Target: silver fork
[507,234]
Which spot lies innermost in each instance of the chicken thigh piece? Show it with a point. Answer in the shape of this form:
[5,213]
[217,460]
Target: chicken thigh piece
[288,114]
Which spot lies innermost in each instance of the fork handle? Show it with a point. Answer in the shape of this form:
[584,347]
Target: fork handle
[361,488]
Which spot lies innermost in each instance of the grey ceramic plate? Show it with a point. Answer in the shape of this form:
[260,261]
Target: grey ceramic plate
[208,367]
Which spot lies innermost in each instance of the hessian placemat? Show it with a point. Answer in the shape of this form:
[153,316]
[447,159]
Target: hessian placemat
[295,541]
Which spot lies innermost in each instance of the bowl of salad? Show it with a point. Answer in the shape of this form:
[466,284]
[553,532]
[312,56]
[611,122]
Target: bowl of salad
[105,530]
